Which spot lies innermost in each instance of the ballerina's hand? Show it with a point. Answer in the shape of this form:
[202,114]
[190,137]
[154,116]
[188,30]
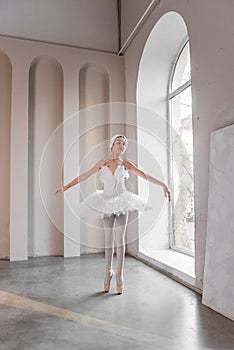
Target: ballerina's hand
[167,192]
[61,189]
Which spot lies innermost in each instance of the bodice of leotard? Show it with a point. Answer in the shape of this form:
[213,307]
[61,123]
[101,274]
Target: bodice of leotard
[113,184]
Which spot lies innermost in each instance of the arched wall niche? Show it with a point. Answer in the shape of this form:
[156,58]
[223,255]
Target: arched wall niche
[96,78]
[94,95]
[48,58]
[5,127]
[45,115]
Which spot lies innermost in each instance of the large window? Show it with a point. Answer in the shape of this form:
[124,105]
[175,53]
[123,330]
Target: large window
[181,160]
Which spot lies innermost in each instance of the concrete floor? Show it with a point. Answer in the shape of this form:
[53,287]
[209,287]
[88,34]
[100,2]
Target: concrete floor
[54,303]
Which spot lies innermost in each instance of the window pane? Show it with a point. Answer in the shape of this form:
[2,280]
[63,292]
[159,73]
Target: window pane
[182,71]
[182,153]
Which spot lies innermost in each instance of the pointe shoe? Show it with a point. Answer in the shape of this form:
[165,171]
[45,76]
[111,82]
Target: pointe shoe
[119,280]
[107,281]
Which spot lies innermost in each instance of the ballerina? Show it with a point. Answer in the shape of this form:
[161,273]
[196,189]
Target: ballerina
[113,204]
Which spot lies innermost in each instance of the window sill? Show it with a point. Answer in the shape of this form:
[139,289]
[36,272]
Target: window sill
[175,264]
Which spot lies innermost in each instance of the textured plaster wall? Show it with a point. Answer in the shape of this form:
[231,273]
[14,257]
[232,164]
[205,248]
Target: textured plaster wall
[211,33]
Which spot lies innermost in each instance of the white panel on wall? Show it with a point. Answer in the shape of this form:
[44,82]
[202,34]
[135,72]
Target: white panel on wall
[218,286]
[5,123]
[93,96]
[45,114]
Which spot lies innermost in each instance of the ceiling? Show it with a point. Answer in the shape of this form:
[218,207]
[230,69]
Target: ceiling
[92,24]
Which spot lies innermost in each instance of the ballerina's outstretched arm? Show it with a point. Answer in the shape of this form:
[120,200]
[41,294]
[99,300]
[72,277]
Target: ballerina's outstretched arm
[82,177]
[132,168]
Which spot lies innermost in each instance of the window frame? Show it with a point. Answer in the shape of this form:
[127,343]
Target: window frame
[170,96]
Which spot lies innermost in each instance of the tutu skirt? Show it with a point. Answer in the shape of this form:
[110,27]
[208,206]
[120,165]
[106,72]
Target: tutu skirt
[100,205]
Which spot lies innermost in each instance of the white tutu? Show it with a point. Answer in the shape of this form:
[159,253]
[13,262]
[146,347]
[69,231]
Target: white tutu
[114,199]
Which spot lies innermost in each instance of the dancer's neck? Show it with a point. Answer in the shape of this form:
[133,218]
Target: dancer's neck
[113,157]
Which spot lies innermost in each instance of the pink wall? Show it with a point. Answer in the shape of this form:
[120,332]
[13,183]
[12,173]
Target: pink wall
[21,54]
[45,115]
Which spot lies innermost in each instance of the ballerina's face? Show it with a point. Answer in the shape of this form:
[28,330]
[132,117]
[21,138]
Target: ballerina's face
[119,145]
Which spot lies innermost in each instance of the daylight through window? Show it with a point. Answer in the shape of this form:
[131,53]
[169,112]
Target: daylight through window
[181,162]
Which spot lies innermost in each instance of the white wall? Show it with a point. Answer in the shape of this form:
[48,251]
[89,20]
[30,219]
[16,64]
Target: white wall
[154,128]
[63,22]
[22,54]
[210,27]
[5,123]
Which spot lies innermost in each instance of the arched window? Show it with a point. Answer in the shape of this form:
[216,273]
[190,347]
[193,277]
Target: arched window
[181,149]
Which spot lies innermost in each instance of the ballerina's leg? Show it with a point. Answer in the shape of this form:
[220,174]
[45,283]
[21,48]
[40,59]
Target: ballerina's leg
[120,229]
[108,224]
